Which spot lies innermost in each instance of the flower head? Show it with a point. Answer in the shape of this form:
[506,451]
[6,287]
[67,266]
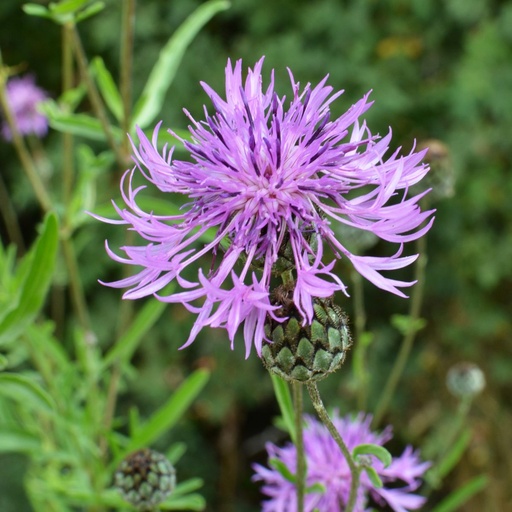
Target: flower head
[23,96]
[268,176]
[327,466]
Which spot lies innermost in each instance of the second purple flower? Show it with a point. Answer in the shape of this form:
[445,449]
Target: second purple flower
[268,175]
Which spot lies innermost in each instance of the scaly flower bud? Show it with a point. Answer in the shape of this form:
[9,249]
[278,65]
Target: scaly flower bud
[145,478]
[301,352]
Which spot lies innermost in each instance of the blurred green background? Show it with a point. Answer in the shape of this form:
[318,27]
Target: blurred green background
[439,70]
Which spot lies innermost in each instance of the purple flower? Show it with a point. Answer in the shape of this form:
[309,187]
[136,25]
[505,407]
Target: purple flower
[267,174]
[327,466]
[23,96]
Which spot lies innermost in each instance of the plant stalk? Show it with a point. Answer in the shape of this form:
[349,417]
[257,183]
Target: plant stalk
[326,420]
[299,444]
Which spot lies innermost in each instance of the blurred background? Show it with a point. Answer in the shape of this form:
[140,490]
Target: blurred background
[441,74]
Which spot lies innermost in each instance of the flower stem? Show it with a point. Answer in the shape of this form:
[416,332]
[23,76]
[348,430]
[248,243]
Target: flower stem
[95,98]
[299,444]
[126,65]
[326,420]
[408,339]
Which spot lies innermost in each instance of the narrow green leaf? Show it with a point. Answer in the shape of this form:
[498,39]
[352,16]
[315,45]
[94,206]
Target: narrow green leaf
[192,484]
[190,502]
[36,10]
[316,488]
[373,449]
[128,343]
[18,441]
[107,87]
[41,259]
[407,325]
[373,476]
[167,416]
[90,11]
[67,6]
[284,399]
[164,71]
[457,498]
[282,469]
[25,391]
[175,452]
[453,455]
[78,124]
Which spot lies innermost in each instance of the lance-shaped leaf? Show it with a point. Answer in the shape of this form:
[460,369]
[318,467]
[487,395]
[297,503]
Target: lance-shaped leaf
[457,498]
[128,343]
[163,73]
[284,399]
[107,87]
[167,416]
[39,264]
[25,391]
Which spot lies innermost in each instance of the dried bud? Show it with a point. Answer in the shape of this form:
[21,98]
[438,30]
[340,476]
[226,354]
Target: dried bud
[145,478]
[305,352]
[465,379]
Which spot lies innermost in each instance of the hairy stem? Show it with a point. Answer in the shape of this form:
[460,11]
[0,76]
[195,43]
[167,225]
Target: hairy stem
[299,444]
[326,420]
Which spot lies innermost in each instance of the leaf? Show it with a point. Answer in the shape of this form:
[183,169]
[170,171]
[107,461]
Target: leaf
[79,124]
[163,73]
[373,476]
[284,399]
[36,10]
[127,344]
[457,498]
[282,469]
[89,11]
[373,449]
[168,415]
[25,391]
[18,441]
[66,6]
[190,502]
[192,484]
[316,488]
[40,263]
[449,458]
[407,325]
[107,87]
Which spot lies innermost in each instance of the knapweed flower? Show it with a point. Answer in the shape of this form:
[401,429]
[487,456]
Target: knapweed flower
[266,178]
[327,467]
[24,96]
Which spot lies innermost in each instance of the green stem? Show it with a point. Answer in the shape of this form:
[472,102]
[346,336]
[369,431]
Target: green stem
[409,337]
[67,138]
[126,307]
[299,444]
[126,66]
[326,420]
[11,221]
[94,96]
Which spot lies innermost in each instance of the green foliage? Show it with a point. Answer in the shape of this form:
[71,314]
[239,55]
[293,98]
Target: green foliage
[437,70]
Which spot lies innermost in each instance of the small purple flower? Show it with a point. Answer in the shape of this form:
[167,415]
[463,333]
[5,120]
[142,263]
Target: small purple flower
[327,466]
[266,173]
[23,96]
